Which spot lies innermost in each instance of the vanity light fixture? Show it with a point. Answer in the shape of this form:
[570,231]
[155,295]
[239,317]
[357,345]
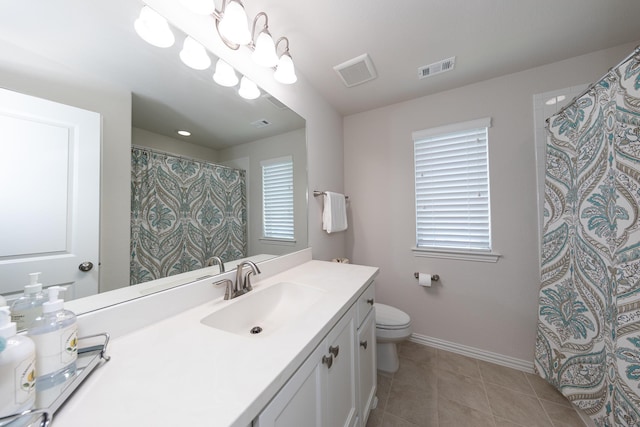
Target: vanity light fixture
[183,132]
[285,72]
[248,89]
[154,28]
[232,23]
[264,48]
[225,75]
[194,55]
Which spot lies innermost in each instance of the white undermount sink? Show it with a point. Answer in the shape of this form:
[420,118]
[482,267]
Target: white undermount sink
[261,312]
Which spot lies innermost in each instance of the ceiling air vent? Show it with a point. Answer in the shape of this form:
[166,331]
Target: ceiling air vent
[261,123]
[356,71]
[437,67]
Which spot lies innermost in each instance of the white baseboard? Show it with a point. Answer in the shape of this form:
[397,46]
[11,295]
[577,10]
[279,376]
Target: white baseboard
[476,353]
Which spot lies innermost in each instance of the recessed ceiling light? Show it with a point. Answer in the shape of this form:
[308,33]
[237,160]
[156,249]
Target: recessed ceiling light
[184,133]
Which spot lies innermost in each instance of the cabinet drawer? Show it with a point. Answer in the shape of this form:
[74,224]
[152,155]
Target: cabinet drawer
[365,303]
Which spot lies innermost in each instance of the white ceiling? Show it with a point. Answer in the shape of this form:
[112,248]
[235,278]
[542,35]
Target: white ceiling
[489,38]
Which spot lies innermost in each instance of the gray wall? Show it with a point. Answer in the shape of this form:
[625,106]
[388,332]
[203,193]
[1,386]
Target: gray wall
[492,307]
[251,154]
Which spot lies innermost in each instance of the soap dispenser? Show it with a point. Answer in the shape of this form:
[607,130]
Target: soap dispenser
[28,307]
[17,368]
[55,334]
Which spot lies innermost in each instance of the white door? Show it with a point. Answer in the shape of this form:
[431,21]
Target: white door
[49,194]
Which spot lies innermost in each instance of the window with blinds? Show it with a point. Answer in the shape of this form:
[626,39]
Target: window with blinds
[277,198]
[452,187]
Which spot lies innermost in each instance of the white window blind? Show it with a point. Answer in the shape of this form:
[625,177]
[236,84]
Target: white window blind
[277,198]
[452,187]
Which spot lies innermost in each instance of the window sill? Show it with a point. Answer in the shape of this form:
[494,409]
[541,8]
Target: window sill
[462,255]
[279,242]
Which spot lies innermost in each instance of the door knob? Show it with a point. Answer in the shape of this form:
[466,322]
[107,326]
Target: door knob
[85,266]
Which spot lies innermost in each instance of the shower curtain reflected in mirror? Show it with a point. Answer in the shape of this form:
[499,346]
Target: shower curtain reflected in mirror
[588,342]
[183,212]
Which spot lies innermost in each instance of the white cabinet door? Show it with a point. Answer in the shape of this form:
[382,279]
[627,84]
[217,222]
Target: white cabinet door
[367,366]
[341,406]
[322,393]
[299,403]
[50,194]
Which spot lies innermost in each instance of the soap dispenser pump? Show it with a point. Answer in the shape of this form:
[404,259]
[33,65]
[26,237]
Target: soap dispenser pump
[55,334]
[28,307]
[17,368]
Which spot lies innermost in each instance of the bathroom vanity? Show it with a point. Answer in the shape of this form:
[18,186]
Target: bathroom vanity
[312,363]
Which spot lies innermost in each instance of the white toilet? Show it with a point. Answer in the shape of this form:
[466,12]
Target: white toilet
[392,326]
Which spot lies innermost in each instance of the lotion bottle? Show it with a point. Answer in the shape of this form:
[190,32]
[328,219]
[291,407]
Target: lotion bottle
[55,334]
[28,307]
[17,368]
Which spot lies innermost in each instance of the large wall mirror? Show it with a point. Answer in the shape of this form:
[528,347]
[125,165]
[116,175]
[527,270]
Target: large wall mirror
[88,55]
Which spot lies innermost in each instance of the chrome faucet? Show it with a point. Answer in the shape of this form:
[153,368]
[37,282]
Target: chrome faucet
[216,259]
[243,283]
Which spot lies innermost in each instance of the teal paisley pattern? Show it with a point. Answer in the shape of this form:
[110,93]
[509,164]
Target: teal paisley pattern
[183,212]
[588,339]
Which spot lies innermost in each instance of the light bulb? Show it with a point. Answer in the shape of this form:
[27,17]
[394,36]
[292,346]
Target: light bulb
[194,55]
[153,28]
[285,71]
[225,75]
[248,89]
[233,25]
[264,53]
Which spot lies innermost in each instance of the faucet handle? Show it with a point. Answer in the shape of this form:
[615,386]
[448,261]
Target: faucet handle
[247,281]
[228,293]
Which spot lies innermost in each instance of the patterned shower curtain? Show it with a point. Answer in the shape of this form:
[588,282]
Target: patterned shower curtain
[182,213]
[588,342]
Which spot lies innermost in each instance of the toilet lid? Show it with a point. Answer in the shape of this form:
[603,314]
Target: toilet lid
[390,317]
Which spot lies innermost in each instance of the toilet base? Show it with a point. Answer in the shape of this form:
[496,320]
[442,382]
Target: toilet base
[387,357]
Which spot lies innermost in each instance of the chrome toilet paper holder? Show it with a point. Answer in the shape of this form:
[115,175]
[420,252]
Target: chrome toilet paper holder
[434,277]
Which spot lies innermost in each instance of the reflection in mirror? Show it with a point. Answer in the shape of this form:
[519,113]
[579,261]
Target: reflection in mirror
[92,59]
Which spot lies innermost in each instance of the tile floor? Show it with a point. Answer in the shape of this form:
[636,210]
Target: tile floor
[436,388]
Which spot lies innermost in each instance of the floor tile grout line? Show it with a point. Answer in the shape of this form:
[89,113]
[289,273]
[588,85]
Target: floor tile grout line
[540,401]
[486,394]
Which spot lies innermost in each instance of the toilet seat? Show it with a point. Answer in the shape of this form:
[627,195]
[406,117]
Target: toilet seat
[390,318]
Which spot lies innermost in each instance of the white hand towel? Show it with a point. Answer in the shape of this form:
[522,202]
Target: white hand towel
[334,215]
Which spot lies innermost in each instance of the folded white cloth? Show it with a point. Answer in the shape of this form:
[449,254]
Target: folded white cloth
[334,215]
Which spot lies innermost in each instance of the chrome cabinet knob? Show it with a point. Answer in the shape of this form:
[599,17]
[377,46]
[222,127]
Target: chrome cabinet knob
[363,344]
[334,350]
[327,360]
[370,301]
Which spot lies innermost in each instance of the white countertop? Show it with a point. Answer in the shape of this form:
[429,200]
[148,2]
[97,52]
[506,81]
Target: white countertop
[179,372]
